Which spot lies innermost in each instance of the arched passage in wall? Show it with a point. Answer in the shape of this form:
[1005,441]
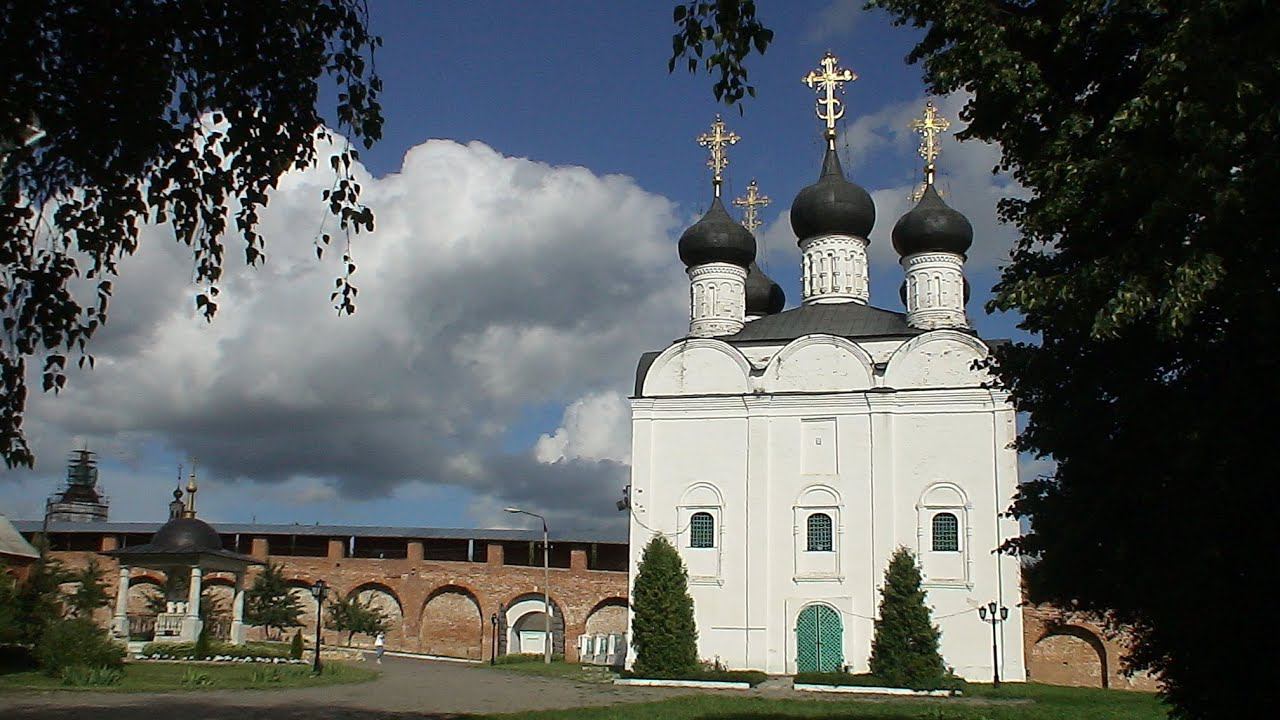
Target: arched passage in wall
[301,590]
[608,617]
[1069,655]
[383,598]
[521,626]
[141,591]
[451,624]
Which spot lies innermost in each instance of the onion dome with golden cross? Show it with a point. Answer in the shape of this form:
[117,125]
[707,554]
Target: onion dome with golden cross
[763,295]
[931,226]
[717,238]
[833,205]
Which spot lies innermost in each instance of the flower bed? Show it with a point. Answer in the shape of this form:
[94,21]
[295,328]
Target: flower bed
[750,677]
[219,652]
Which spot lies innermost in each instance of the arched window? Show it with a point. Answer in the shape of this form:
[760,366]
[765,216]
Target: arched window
[946,533]
[702,530]
[819,533]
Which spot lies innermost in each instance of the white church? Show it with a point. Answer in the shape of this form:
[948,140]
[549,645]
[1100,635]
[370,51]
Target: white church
[788,454]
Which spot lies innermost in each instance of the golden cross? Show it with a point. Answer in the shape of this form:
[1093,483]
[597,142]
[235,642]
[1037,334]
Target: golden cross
[831,80]
[717,140]
[929,127]
[749,203]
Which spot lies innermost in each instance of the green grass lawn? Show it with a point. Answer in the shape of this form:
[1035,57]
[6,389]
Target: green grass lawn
[1010,702]
[558,668]
[164,676]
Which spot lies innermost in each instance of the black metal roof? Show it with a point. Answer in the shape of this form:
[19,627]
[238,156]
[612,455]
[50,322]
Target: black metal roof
[146,528]
[848,319]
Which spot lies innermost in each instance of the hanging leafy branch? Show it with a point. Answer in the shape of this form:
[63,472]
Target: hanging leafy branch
[178,112]
[719,36]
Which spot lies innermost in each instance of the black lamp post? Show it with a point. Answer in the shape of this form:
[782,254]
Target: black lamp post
[993,614]
[317,591]
[493,653]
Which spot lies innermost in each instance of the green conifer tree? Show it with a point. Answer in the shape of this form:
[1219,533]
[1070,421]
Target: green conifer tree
[663,630]
[904,652]
[269,604]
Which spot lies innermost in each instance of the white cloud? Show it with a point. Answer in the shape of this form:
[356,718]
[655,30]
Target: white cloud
[595,427]
[835,20]
[491,284]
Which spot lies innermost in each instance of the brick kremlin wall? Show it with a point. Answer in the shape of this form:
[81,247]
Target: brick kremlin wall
[436,607]
[1073,649]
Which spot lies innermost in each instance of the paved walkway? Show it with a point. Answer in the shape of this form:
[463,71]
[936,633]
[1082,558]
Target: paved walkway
[407,687]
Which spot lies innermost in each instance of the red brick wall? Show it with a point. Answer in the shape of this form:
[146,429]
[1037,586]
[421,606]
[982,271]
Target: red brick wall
[443,607]
[1073,649]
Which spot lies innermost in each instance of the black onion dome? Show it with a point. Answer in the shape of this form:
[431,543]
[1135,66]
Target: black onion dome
[833,205]
[931,226]
[764,296]
[717,238]
[186,534]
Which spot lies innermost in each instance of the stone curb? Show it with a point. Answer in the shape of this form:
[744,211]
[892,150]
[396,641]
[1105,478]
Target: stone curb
[712,684]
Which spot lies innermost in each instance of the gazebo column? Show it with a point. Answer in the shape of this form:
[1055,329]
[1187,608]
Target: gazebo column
[237,611]
[120,621]
[191,623]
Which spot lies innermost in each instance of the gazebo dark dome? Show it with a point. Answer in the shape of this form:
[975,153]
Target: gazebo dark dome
[186,534]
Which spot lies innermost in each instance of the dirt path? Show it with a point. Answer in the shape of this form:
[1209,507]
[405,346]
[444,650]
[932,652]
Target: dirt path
[407,687]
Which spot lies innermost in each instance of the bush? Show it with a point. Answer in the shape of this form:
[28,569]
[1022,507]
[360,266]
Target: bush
[754,677]
[77,642]
[195,678]
[187,651]
[295,647]
[79,676]
[904,652]
[204,646]
[517,658]
[663,630]
[868,680]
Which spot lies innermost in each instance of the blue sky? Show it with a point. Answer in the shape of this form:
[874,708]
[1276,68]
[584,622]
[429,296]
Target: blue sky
[521,265]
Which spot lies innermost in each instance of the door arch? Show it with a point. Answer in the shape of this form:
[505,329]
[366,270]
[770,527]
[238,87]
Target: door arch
[819,639]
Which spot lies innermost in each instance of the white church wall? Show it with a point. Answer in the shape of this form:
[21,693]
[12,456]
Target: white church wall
[699,367]
[878,463]
[818,363]
[937,359]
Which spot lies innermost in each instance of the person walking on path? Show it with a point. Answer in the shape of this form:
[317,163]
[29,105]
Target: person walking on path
[379,646]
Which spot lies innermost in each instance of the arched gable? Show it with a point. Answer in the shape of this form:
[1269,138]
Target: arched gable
[819,495]
[819,363]
[702,494]
[699,366]
[940,358]
[943,495]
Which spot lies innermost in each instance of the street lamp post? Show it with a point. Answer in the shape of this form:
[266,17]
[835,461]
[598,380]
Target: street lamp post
[993,614]
[546,585]
[317,591]
[493,653]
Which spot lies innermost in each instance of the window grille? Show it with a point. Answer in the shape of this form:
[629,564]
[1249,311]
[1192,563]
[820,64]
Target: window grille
[819,533]
[946,533]
[702,530]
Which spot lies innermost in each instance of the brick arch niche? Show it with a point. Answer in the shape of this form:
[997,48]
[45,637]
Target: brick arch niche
[452,624]
[1069,655]
[524,613]
[608,617]
[383,598]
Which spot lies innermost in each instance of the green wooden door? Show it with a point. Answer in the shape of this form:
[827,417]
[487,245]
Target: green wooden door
[819,640]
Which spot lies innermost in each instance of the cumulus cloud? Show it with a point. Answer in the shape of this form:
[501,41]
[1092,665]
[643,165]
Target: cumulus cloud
[491,284]
[835,20]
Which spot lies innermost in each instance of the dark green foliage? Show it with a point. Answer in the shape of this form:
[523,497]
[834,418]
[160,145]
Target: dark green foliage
[355,617]
[216,647]
[76,642]
[80,676]
[904,652]
[202,647]
[663,630]
[39,601]
[753,677]
[269,604]
[295,646]
[113,115]
[730,30]
[10,619]
[90,593]
[1146,135]
[955,684]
